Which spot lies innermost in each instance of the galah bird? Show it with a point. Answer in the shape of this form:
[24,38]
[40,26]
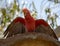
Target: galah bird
[39,25]
[29,24]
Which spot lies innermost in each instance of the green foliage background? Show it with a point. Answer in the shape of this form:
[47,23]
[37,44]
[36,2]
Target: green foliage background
[8,14]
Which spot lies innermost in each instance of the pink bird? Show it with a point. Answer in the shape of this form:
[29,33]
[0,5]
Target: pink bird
[30,25]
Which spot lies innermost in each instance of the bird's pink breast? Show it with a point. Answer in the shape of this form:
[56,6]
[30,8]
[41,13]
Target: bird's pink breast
[30,26]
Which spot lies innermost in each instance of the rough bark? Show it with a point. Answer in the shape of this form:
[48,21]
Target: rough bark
[30,39]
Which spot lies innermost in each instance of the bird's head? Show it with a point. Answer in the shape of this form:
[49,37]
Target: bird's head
[25,11]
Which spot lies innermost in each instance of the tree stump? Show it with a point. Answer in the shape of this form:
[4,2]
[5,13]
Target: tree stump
[30,39]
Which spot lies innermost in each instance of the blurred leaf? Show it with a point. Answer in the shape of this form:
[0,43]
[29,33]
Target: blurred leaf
[3,11]
[34,14]
[33,5]
[18,9]
[56,15]
[34,8]
[56,1]
[47,10]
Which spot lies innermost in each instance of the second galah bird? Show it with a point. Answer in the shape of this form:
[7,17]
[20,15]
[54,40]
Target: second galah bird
[29,24]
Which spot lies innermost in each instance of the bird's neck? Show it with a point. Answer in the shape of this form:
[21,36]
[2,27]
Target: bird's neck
[29,18]
[30,23]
